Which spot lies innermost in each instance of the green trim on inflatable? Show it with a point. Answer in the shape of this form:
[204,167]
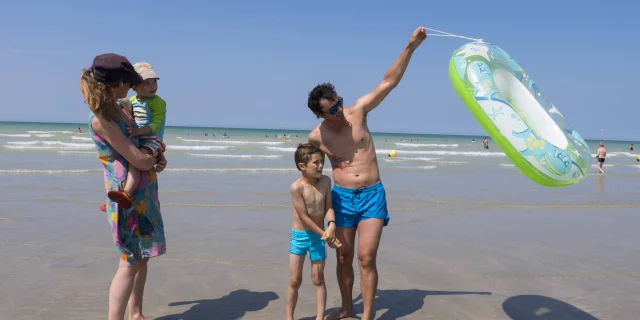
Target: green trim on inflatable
[471,70]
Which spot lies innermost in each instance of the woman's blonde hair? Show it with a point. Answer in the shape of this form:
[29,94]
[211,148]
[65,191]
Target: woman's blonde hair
[98,96]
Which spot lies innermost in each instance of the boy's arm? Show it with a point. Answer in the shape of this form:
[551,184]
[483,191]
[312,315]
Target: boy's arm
[301,210]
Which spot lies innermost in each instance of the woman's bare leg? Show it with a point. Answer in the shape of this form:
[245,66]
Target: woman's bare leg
[120,290]
[135,300]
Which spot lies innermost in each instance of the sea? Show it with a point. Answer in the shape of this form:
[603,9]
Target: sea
[462,219]
[432,166]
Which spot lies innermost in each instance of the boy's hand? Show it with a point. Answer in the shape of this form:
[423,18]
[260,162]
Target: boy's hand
[336,244]
[330,237]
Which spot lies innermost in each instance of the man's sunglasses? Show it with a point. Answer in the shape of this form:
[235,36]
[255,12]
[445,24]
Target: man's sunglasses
[333,110]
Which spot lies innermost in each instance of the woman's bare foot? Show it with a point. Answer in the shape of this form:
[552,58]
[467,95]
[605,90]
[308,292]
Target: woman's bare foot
[341,314]
[137,317]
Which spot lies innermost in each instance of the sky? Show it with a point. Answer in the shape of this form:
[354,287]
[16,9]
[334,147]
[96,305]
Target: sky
[251,64]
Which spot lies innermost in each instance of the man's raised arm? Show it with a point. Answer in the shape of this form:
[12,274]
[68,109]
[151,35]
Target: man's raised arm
[393,76]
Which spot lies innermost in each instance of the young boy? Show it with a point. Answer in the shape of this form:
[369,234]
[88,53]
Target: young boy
[149,112]
[311,196]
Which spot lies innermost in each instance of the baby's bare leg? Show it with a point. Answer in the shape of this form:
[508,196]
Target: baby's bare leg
[125,198]
[296,263]
[317,275]
[133,176]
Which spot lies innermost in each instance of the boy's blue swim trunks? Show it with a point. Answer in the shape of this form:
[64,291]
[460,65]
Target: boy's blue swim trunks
[354,205]
[303,241]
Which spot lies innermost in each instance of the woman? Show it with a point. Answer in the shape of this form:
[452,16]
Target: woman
[138,232]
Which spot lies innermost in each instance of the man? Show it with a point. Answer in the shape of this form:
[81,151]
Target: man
[358,196]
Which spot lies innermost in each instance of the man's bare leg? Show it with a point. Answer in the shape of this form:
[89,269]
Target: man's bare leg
[317,276]
[344,272]
[135,300]
[296,263]
[369,233]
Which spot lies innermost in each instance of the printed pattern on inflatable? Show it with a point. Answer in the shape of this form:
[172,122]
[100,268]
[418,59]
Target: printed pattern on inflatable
[518,116]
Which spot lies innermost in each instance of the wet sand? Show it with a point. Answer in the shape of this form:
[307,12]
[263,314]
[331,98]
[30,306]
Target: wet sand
[228,250]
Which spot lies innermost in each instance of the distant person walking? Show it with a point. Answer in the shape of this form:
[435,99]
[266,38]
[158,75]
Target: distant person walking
[600,156]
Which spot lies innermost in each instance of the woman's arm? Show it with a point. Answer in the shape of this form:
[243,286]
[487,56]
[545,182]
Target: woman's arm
[112,134]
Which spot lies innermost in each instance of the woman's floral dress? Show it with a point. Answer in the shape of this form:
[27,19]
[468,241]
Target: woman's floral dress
[138,232]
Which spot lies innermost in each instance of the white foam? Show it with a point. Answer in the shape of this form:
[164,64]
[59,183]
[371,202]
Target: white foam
[44,171]
[44,135]
[445,153]
[508,165]
[418,167]
[174,147]
[233,141]
[427,145]
[15,135]
[54,132]
[81,138]
[290,149]
[615,154]
[238,156]
[77,153]
[44,145]
[225,170]
[403,159]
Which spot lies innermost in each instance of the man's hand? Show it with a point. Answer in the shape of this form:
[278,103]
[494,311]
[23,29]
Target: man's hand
[417,37]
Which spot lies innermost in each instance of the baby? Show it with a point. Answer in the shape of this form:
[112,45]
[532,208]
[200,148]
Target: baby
[311,196]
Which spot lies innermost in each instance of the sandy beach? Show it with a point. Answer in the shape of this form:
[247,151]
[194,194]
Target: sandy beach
[469,236]
[227,257]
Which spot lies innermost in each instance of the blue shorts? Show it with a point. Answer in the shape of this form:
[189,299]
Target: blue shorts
[354,205]
[303,241]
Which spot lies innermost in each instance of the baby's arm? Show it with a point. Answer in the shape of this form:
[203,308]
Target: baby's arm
[301,209]
[158,111]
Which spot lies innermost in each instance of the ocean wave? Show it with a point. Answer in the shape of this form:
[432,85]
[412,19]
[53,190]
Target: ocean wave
[54,132]
[289,149]
[175,147]
[225,170]
[445,153]
[404,159]
[44,135]
[47,171]
[15,135]
[615,154]
[233,141]
[418,167]
[77,153]
[81,138]
[239,156]
[427,145]
[44,145]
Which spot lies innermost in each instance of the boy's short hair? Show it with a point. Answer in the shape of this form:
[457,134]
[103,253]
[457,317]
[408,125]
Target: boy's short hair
[305,151]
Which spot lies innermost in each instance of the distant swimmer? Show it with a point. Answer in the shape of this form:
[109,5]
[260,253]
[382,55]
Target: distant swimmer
[631,147]
[601,155]
[473,141]
[485,143]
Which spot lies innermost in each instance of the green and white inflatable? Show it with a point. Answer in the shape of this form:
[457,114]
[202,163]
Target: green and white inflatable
[517,115]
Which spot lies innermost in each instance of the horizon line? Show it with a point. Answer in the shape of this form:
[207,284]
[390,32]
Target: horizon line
[293,129]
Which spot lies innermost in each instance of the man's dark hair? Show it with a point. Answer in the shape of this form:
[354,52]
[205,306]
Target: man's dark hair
[304,152]
[324,90]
